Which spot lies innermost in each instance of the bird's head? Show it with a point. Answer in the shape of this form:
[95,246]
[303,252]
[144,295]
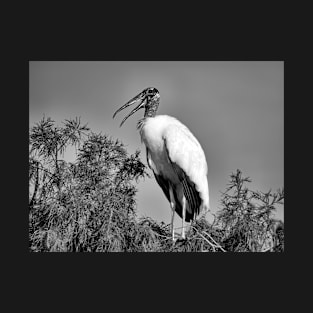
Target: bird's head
[148,100]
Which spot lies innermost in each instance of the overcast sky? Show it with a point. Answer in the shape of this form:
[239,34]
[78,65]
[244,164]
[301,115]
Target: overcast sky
[235,109]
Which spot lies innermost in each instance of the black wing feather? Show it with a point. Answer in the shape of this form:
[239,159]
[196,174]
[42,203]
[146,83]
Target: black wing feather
[190,192]
[165,184]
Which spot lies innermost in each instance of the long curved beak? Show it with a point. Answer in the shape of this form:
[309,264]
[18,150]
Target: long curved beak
[140,97]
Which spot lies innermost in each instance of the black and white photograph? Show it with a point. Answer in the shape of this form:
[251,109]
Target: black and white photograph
[156,156]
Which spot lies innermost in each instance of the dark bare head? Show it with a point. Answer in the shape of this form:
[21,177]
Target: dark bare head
[149,100]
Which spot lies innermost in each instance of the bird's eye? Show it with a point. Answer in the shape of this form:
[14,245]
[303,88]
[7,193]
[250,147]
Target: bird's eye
[151,92]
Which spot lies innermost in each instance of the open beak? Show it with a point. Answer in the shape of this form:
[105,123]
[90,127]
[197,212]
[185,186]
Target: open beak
[140,97]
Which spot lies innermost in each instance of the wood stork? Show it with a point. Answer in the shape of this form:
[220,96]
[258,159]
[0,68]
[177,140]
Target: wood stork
[175,157]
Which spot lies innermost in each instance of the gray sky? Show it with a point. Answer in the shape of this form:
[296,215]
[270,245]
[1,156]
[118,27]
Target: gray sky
[235,109]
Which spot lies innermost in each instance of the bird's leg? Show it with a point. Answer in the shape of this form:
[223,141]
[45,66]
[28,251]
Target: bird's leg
[183,217]
[172,222]
[173,213]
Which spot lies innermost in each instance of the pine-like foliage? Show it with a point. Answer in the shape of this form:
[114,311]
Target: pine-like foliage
[90,205]
[246,218]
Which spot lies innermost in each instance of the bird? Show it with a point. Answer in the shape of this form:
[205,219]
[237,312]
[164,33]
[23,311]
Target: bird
[175,157]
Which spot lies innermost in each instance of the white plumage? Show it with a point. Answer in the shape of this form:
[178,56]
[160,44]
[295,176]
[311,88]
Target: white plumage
[175,157]
[168,140]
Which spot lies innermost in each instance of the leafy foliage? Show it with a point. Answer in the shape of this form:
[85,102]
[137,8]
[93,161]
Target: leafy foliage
[90,205]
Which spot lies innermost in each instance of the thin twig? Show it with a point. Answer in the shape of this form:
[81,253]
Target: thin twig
[167,237]
[217,244]
[111,213]
[212,245]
